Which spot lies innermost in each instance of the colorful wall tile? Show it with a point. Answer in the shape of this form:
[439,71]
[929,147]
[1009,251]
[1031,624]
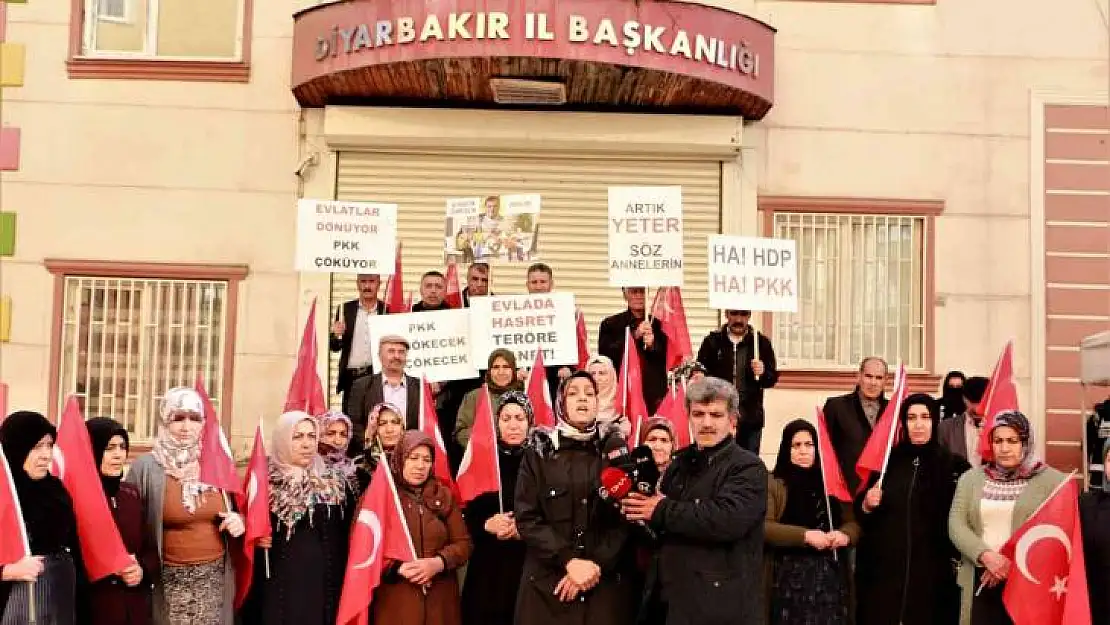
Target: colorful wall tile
[12,58]
[9,149]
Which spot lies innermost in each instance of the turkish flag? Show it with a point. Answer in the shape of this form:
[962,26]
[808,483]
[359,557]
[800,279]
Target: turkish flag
[630,398]
[13,547]
[673,408]
[102,547]
[583,338]
[1047,583]
[217,463]
[835,485]
[306,392]
[454,293]
[429,424]
[539,393]
[379,535]
[255,504]
[671,313]
[395,288]
[886,433]
[1000,396]
[479,471]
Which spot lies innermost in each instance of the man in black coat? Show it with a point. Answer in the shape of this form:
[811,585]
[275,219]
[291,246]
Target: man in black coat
[350,334]
[651,344]
[390,385]
[851,417]
[708,564]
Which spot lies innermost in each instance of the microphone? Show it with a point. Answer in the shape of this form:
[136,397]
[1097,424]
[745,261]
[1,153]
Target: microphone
[645,473]
[616,484]
[615,451]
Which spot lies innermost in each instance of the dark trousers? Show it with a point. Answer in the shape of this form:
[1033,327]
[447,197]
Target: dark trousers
[750,439]
[987,607]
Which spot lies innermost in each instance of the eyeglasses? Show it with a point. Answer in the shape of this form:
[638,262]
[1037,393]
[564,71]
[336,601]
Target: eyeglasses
[179,417]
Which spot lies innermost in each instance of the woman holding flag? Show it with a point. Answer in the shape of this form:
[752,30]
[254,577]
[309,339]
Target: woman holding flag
[310,513]
[189,520]
[493,575]
[806,577]
[904,563]
[500,379]
[50,574]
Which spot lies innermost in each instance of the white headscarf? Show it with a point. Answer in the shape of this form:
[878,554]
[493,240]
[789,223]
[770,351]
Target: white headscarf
[295,490]
[608,417]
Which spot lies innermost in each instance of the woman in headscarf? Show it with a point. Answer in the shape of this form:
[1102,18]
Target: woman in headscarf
[608,413]
[952,395]
[500,378]
[578,557]
[51,572]
[384,428]
[991,502]
[806,577]
[190,521]
[659,436]
[1094,514]
[122,599]
[904,562]
[426,590]
[310,513]
[335,438]
[493,575]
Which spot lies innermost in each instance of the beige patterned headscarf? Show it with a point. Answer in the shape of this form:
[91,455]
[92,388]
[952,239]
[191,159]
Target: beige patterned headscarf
[181,459]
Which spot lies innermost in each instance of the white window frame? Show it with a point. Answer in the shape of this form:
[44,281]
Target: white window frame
[150,42]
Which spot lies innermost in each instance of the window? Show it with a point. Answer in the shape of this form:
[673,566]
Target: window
[112,10]
[123,340]
[864,282]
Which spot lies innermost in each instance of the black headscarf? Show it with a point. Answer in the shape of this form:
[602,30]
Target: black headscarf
[47,508]
[919,399]
[101,432]
[509,357]
[952,397]
[806,505]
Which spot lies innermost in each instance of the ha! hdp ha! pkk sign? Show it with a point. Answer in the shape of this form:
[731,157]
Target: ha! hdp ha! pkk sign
[439,343]
[525,324]
[346,237]
[645,236]
[753,273]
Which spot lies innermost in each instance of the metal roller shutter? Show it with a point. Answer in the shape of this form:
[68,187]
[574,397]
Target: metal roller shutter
[572,232]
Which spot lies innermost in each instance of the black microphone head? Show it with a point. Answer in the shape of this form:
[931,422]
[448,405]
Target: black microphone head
[645,471]
[614,450]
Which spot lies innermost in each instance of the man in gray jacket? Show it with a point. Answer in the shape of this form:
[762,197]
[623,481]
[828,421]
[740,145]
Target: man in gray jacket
[960,434]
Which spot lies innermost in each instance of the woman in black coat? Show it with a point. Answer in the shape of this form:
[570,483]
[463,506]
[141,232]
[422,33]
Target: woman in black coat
[493,575]
[1094,514]
[578,559]
[905,572]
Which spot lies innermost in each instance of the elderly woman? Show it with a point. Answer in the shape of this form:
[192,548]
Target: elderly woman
[190,521]
[310,512]
[608,413]
[904,572]
[47,578]
[123,598]
[991,502]
[576,563]
[1094,514]
[659,436]
[335,437]
[493,575]
[500,379]
[426,590]
[805,579]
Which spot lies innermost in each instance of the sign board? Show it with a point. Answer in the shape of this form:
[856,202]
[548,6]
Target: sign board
[439,343]
[525,324]
[645,236]
[346,237]
[753,273]
[492,228]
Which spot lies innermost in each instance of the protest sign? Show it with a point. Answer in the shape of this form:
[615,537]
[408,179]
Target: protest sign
[752,273]
[524,324]
[495,227]
[645,236]
[346,237]
[439,343]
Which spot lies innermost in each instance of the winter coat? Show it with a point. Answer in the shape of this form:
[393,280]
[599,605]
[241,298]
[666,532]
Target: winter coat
[112,602]
[718,354]
[1094,513]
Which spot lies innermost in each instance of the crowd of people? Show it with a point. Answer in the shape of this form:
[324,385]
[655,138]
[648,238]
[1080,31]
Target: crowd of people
[715,539]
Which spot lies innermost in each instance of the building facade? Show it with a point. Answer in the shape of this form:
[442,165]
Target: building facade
[942,165]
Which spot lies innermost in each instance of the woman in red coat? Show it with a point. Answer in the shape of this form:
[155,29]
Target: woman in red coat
[122,599]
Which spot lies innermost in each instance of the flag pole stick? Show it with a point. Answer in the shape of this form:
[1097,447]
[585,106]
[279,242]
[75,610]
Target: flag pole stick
[397,503]
[755,345]
[824,484]
[31,603]
[266,561]
[496,455]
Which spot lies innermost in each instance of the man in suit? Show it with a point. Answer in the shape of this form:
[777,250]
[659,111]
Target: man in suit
[960,433]
[651,344]
[392,385]
[350,334]
[852,417]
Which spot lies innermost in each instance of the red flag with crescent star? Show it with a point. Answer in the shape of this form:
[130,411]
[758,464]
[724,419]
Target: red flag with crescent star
[217,463]
[539,393]
[306,392]
[14,547]
[379,535]
[1000,396]
[479,471]
[429,424]
[255,504]
[1047,583]
[671,313]
[102,548]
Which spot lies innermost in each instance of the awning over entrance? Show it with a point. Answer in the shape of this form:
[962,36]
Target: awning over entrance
[622,54]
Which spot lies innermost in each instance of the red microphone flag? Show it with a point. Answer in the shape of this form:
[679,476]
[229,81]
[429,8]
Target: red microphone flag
[479,471]
[539,393]
[429,424]
[255,504]
[673,408]
[306,392]
[102,548]
[454,293]
[835,485]
[1047,584]
[395,288]
[378,535]
[671,313]
[999,396]
[888,428]
[631,395]
[13,547]
[583,338]
[217,464]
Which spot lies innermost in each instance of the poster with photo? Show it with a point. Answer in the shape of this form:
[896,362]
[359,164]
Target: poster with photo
[492,228]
